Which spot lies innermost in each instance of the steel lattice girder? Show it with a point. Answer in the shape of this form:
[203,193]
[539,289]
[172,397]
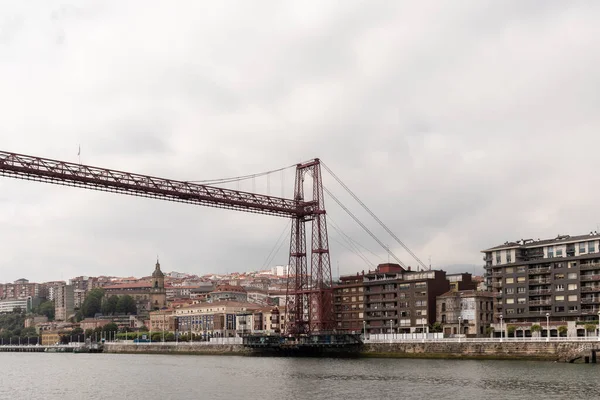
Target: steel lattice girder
[85,176]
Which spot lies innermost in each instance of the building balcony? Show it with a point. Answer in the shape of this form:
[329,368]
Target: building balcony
[589,278]
[541,270]
[538,292]
[497,273]
[588,311]
[590,300]
[538,281]
[496,284]
[539,302]
[588,289]
[589,266]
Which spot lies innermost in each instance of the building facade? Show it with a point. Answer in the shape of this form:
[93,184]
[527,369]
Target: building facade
[217,319]
[465,312]
[401,301]
[538,281]
[148,295]
[349,303]
[64,302]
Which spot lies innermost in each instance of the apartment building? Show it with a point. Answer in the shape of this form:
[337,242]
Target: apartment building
[401,301]
[20,289]
[216,319]
[536,281]
[465,312]
[64,302]
[348,303]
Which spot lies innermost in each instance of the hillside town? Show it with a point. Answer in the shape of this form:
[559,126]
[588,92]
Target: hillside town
[528,287]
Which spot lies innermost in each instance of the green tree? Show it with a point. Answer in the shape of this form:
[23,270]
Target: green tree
[112,327]
[536,328]
[562,331]
[17,310]
[436,327]
[170,337]
[589,328]
[46,308]
[489,330]
[510,330]
[89,333]
[126,305]
[109,306]
[92,304]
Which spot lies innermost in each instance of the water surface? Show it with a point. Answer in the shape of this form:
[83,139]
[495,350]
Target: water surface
[59,376]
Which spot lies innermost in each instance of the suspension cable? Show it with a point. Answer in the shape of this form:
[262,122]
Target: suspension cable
[277,246]
[240,178]
[388,230]
[352,247]
[363,226]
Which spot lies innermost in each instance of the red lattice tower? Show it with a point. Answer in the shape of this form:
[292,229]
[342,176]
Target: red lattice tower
[309,293]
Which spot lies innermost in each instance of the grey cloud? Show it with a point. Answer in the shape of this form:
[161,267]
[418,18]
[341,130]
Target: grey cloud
[460,126]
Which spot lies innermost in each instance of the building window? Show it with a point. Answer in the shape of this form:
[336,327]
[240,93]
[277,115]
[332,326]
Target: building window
[510,301]
[498,258]
[591,247]
[572,286]
[509,270]
[550,251]
[560,287]
[559,252]
[559,298]
[581,247]
[510,310]
[510,280]
[508,256]
[559,308]
[573,308]
[443,318]
[521,290]
[572,275]
[443,307]
[521,269]
[573,297]
[404,286]
[509,290]
[520,311]
[521,300]
[521,279]
[559,276]
[421,303]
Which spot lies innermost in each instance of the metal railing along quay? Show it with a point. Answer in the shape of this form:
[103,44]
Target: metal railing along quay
[485,340]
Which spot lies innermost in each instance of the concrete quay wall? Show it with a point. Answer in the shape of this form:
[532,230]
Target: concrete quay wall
[548,351]
[181,348]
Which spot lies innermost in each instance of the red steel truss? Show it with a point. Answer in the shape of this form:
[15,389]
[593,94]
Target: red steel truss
[309,292]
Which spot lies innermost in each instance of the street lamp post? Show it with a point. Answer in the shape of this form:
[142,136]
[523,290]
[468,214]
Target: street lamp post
[547,327]
[501,329]
[391,330]
[598,325]
[365,329]
[458,329]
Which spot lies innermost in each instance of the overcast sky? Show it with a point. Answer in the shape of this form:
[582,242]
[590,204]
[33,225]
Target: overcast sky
[461,124]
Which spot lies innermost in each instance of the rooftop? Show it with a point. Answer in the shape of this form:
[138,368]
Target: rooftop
[531,243]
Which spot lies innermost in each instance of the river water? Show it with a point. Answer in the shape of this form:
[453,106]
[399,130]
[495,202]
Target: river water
[59,376]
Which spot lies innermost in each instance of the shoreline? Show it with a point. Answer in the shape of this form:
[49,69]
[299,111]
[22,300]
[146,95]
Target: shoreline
[565,352]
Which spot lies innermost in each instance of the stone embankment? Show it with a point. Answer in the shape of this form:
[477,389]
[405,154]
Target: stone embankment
[181,348]
[562,351]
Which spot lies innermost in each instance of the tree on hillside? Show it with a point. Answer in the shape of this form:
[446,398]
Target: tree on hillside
[46,308]
[92,304]
[126,305]
[109,306]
